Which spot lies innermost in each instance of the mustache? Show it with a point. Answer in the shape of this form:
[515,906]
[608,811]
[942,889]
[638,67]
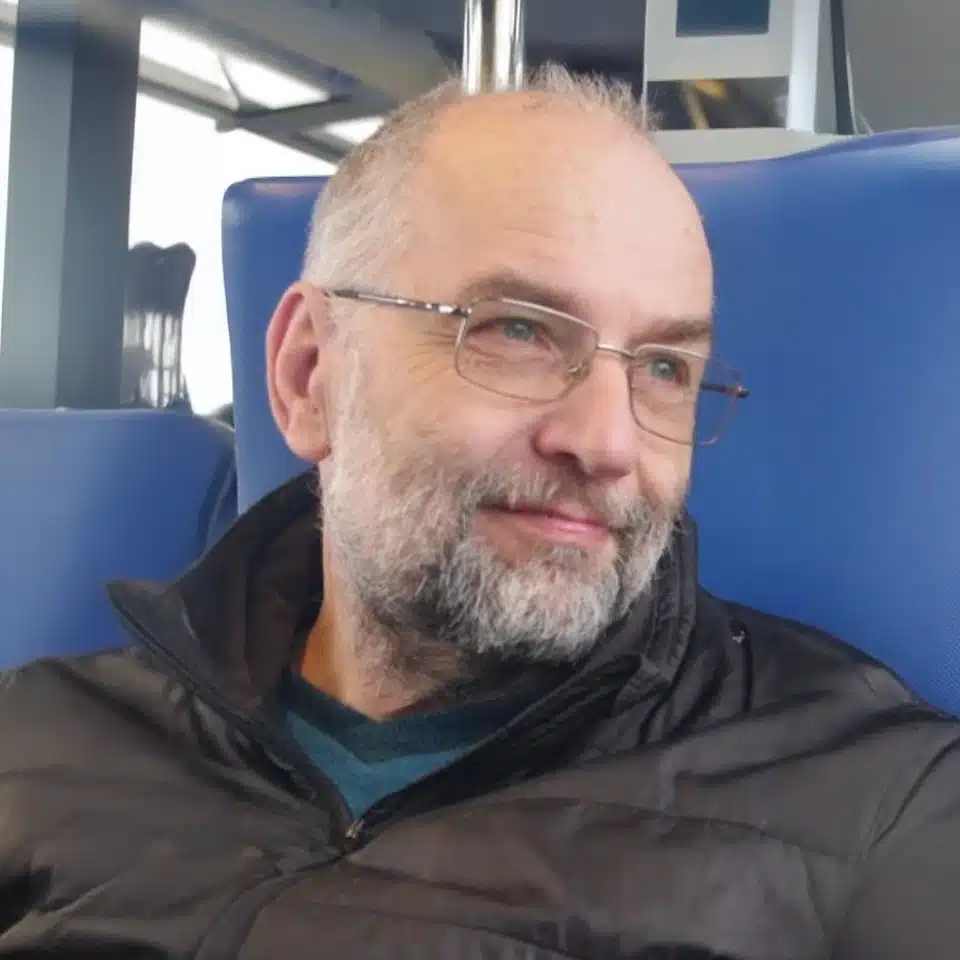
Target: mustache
[515,488]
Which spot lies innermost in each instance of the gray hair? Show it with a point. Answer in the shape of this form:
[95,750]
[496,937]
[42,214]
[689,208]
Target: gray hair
[363,215]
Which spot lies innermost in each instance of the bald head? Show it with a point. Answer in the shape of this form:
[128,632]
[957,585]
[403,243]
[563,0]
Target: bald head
[566,129]
[565,193]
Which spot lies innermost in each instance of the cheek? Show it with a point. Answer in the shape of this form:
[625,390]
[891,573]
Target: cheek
[488,428]
[665,472]
[443,413]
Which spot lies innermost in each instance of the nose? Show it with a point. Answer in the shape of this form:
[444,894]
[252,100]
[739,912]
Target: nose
[593,425]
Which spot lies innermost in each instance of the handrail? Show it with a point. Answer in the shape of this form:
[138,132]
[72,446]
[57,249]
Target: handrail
[493,45]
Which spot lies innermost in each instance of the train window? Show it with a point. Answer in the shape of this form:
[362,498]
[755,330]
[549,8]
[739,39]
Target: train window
[181,167]
[173,49]
[355,131]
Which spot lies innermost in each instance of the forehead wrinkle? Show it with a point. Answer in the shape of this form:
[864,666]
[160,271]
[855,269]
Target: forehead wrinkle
[496,193]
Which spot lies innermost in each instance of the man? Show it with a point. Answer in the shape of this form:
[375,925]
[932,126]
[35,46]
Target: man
[486,712]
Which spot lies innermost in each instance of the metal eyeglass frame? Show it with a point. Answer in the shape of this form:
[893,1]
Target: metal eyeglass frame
[463,313]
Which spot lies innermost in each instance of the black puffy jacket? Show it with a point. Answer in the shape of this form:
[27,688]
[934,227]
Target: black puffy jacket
[713,783]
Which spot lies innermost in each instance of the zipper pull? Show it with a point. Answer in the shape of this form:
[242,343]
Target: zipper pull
[354,833]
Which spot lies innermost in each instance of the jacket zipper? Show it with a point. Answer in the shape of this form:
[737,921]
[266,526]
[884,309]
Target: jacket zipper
[230,929]
[393,807]
[284,754]
[278,748]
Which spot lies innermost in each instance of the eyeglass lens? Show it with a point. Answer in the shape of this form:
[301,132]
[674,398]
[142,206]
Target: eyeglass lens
[522,351]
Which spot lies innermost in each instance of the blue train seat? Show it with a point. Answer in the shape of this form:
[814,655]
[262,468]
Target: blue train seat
[834,497]
[88,496]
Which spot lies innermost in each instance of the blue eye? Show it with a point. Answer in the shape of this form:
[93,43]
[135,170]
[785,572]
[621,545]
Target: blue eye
[663,372]
[666,368]
[519,329]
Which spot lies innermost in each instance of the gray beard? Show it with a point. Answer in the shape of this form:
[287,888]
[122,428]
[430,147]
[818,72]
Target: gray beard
[440,610]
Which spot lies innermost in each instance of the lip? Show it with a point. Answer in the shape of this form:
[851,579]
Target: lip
[556,524]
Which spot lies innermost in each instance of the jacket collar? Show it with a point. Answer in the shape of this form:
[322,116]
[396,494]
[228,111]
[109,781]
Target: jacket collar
[232,619]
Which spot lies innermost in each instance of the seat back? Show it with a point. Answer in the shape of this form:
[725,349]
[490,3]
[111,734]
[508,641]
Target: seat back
[88,496]
[833,498]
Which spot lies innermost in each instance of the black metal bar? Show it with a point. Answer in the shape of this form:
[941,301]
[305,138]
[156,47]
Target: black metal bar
[325,147]
[71,150]
[305,116]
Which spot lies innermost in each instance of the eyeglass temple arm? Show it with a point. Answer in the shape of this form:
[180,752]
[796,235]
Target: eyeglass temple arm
[738,392]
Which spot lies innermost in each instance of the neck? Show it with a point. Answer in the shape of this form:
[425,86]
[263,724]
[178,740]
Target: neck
[381,673]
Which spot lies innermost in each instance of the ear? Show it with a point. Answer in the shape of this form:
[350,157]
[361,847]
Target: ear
[299,355]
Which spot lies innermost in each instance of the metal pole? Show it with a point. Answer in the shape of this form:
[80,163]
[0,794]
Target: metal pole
[493,45]
[508,36]
[474,33]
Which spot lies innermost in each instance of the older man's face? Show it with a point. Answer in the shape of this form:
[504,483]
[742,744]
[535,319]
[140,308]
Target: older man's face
[520,528]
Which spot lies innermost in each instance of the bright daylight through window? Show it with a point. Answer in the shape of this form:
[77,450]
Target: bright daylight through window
[183,164]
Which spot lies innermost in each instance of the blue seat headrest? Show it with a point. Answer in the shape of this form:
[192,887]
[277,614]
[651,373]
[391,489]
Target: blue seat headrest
[833,498]
[90,496]
[265,229]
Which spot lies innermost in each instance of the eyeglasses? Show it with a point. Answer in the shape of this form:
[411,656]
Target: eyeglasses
[532,353]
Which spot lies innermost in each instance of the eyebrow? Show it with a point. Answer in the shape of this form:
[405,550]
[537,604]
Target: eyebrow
[674,332]
[665,330]
[514,286]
